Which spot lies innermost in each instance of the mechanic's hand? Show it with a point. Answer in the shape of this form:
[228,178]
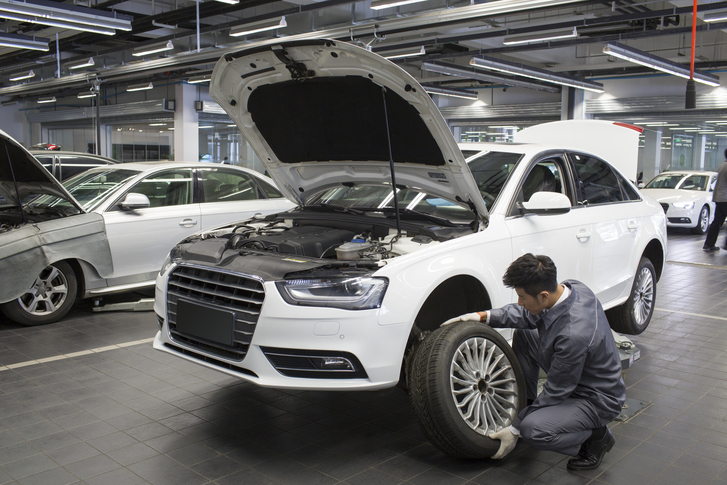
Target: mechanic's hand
[467,317]
[507,442]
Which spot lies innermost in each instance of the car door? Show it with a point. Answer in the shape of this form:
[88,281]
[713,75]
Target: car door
[612,206]
[140,239]
[566,238]
[230,195]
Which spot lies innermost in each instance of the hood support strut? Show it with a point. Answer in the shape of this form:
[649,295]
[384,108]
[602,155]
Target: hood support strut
[15,182]
[391,164]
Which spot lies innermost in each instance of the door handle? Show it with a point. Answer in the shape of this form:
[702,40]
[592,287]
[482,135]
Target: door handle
[583,235]
[188,223]
[632,226]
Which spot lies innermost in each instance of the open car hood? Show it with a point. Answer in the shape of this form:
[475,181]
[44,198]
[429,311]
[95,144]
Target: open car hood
[22,176]
[322,113]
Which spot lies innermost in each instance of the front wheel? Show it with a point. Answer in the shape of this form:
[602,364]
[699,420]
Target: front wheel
[634,315]
[703,222]
[48,300]
[466,384]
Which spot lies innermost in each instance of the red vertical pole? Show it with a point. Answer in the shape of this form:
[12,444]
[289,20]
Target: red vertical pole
[694,37]
[691,99]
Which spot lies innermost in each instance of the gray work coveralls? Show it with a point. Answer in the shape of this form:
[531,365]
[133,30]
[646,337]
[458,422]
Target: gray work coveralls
[573,344]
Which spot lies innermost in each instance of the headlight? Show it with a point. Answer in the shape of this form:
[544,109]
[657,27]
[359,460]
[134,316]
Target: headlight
[348,293]
[684,205]
[173,257]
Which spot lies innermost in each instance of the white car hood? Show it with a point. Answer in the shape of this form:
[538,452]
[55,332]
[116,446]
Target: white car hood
[670,196]
[322,113]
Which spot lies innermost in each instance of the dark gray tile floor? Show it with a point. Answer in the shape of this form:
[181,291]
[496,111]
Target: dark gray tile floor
[126,414]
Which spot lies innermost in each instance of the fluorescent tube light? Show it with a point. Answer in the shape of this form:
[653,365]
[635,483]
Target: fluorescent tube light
[152,49]
[79,15]
[79,65]
[469,73]
[637,56]
[230,2]
[203,127]
[25,75]
[534,73]
[89,94]
[540,37]
[414,51]
[199,79]
[255,27]
[715,16]
[157,124]
[51,99]
[139,87]
[455,93]
[381,4]
[23,41]
[57,23]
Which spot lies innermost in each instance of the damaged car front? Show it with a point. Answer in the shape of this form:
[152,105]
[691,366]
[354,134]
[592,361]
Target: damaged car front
[44,234]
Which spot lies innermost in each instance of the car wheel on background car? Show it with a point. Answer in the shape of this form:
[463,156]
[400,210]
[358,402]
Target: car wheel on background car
[634,315]
[702,222]
[48,300]
[466,384]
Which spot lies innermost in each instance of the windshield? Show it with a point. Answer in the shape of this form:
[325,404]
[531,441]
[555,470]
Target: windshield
[491,171]
[681,181]
[380,198]
[89,188]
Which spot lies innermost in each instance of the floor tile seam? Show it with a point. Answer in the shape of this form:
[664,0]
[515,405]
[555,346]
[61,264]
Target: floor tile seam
[72,355]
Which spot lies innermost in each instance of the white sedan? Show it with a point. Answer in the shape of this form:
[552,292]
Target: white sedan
[147,208]
[686,197]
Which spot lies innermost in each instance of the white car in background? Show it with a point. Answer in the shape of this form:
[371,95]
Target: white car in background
[348,290]
[686,197]
[148,207]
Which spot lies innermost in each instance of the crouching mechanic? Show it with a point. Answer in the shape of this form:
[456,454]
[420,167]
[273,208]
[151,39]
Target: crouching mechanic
[562,329]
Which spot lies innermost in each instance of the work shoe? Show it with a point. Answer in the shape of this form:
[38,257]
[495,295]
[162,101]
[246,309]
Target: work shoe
[592,451]
[709,249]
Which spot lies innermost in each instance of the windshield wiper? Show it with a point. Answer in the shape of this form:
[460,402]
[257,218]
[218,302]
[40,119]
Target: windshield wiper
[337,208]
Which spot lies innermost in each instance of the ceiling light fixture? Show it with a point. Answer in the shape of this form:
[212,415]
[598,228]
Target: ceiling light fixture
[25,75]
[139,87]
[715,16]
[637,56]
[414,51]
[540,37]
[199,79]
[79,15]
[24,41]
[483,62]
[469,73]
[79,65]
[229,2]
[381,4]
[255,27]
[57,23]
[152,49]
[455,93]
[51,99]
[157,124]
[89,94]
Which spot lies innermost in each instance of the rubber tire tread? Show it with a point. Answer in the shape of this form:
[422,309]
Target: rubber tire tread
[15,312]
[620,317]
[698,228]
[432,402]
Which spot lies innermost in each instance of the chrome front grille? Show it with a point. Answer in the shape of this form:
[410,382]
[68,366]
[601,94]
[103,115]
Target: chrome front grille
[219,292]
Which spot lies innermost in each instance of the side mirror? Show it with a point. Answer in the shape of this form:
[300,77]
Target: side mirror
[546,203]
[134,201]
[642,185]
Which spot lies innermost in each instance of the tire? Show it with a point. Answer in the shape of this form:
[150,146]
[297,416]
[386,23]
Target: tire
[703,222]
[50,298]
[456,404]
[634,315]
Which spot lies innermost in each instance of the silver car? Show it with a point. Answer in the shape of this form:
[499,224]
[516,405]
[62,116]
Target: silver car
[148,207]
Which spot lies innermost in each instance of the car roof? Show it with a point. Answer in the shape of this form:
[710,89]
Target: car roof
[144,166]
[687,172]
[70,153]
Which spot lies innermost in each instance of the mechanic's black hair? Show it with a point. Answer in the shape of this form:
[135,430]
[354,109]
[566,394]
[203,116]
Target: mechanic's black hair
[532,273]
[725,153]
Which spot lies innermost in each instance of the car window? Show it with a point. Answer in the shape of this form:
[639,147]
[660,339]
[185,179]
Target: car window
[470,153]
[269,190]
[167,188]
[227,185]
[491,171]
[695,182]
[598,181]
[91,188]
[73,165]
[665,181]
[545,176]
[712,184]
[627,189]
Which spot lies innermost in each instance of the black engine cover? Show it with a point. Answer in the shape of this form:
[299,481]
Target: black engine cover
[312,241]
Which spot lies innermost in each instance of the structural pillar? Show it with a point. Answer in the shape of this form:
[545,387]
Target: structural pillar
[572,105]
[186,124]
[652,154]
[698,152]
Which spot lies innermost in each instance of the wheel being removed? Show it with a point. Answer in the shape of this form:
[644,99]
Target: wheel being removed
[465,385]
